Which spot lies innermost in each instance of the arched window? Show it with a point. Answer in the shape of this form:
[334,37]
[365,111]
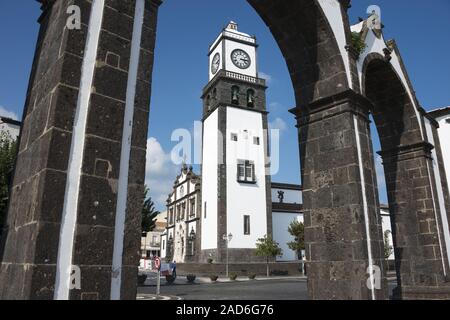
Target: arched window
[235,95]
[250,98]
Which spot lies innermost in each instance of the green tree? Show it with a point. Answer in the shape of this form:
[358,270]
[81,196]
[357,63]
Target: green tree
[149,213]
[268,248]
[8,147]
[297,230]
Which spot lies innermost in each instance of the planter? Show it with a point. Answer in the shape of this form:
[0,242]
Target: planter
[141,279]
[170,279]
[233,277]
[252,276]
[190,278]
[214,278]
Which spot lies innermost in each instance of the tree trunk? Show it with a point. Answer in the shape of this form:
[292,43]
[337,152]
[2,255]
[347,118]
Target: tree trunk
[268,273]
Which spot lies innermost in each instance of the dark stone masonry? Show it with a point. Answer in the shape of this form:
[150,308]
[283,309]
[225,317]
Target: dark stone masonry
[31,240]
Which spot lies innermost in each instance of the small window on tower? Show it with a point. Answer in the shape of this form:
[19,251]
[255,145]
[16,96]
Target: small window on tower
[246,225]
[205,210]
[447,120]
[235,95]
[256,140]
[234,137]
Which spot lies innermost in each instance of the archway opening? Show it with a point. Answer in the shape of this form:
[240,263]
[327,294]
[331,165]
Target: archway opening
[396,131]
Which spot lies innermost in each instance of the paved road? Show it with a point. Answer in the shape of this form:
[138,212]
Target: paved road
[248,290]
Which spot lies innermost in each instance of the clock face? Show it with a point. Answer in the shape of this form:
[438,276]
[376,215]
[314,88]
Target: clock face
[241,59]
[215,63]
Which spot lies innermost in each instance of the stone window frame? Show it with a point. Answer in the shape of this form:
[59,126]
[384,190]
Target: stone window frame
[234,137]
[192,211]
[256,141]
[171,216]
[246,167]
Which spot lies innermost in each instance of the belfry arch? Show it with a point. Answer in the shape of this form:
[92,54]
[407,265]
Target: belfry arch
[80,203]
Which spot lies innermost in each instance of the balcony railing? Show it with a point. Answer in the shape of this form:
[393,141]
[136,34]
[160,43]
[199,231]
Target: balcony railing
[238,76]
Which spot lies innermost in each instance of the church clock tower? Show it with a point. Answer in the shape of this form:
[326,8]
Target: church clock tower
[235,170]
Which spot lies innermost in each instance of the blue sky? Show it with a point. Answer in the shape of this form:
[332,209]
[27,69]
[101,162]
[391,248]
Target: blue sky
[186,28]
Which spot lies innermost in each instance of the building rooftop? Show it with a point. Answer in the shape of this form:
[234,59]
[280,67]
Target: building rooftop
[10,121]
[440,112]
[289,186]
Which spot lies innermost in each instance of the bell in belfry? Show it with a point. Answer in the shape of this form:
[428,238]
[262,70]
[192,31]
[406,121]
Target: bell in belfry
[250,98]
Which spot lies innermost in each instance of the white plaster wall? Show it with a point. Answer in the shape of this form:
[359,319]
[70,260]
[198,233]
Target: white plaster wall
[185,186]
[191,187]
[281,222]
[290,196]
[163,246]
[209,182]
[444,137]
[386,226]
[440,191]
[11,129]
[332,10]
[245,199]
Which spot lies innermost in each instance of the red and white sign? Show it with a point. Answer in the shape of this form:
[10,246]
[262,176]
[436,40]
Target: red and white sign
[157,263]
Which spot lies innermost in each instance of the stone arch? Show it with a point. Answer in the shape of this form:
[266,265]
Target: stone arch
[393,110]
[313,36]
[417,229]
[311,48]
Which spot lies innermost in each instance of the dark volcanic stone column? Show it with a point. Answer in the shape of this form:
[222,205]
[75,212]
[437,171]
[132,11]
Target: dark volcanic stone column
[342,222]
[418,226]
[78,184]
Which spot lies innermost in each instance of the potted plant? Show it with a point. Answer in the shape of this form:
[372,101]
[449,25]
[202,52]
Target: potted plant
[252,276]
[141,279]
[213,278]
[170,279]
[233,276]
[210,261]
[191,278]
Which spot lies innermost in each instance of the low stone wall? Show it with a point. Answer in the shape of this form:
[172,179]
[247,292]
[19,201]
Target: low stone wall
[241,269]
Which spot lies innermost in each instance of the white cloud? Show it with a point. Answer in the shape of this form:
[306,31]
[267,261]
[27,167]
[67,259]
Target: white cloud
[160,173]
[275,106]
[266,77]
[8,114]
[279,124]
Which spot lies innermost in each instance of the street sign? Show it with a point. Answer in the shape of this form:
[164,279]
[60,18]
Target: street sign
[157,263]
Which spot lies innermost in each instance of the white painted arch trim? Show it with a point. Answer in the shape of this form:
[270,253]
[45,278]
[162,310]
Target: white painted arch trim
[70,208]
[122,194]
[333,12]
[377,45]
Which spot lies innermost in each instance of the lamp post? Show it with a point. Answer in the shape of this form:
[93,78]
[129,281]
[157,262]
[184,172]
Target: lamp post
[227,240]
